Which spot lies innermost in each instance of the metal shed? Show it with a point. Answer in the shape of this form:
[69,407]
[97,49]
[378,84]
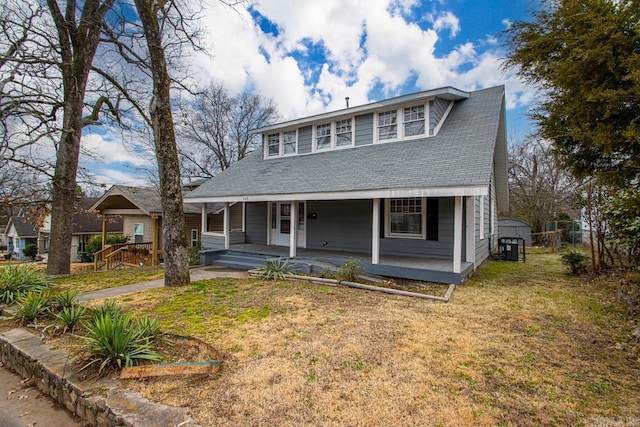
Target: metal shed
[512,227]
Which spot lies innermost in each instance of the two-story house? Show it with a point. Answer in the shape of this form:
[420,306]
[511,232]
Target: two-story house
[410,185]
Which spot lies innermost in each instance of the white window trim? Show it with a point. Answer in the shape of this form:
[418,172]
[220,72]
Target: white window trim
[423,220]
[334,136]
[400,123]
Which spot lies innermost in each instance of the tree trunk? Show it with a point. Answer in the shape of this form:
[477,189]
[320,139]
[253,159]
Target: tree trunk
[78,45]
[174,239]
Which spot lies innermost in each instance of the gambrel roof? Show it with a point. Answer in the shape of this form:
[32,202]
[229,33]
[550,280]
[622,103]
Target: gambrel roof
[469,147]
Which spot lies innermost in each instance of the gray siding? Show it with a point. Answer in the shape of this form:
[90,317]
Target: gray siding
[443,248]
[437,108]
[364,130]
[305,139]
[346,225]
[212,242]
[256,223]
[482,245]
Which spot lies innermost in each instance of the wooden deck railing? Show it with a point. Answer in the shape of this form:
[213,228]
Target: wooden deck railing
[132,254]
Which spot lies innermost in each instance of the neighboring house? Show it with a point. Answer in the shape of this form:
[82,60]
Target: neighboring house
[513,227]
[87,225]
[3,237]
[141,213]
[411,185]
[21,232]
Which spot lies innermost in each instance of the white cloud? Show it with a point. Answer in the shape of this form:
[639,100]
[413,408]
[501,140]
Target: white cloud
[445,21]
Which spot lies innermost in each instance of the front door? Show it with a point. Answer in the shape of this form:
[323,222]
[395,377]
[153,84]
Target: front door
[280,224]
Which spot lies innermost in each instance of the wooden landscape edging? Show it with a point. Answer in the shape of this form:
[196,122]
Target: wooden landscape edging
[170,369]
[335,282]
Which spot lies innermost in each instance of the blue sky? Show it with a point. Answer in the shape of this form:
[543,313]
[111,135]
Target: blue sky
[309,55]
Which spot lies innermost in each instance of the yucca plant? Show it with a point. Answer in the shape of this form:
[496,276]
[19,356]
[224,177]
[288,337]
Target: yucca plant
[149,326]
[115,340]
[70,317]
[65,299]
[275,269]
[109,308]
[33,305]
[17,280]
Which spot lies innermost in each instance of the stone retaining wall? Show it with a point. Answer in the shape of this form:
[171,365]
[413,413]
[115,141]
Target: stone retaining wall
[100,402]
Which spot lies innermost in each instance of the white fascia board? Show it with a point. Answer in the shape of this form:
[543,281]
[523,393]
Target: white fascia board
[448,92]
[345,195]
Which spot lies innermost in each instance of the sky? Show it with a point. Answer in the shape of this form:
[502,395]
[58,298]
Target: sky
[309,55]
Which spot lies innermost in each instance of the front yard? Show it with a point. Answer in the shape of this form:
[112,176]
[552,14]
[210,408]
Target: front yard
[519,344]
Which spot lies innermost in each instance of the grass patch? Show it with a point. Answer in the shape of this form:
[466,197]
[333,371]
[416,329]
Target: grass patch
[86,282]
[518,344]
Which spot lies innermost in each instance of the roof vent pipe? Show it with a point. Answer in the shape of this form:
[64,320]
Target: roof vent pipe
[346,98]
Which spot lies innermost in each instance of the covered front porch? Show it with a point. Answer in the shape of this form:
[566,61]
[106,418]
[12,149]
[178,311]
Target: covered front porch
[315,260]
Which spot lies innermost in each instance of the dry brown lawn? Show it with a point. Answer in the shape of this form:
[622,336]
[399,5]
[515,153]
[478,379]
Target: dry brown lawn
[519,344]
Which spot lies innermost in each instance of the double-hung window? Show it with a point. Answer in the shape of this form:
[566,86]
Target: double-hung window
[344,134]
[406,217]
[138,233]
[387,125]
[289,142]
[414,120]
[323,136]
[273,144]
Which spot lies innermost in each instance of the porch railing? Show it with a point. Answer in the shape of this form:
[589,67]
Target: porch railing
[132,254]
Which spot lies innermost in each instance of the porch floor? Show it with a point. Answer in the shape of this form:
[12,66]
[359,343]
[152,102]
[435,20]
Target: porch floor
[416,268]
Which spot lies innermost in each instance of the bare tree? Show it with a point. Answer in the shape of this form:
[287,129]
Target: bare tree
[539,188]
[215,128]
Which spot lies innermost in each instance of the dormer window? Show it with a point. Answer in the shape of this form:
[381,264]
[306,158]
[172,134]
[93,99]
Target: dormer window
[323,136]
[414,123]
[273,144]
[344,135]
[282,144]
[336,134]
[388,125]
[289,140]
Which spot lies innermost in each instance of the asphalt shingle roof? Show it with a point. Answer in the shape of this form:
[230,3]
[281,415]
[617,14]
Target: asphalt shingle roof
[462,154]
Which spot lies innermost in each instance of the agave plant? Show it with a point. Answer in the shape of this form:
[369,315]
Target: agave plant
[115,340]
[275,269]
[17,280]
[109,308]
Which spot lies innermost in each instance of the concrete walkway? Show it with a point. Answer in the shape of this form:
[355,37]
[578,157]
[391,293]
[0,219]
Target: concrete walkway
[198,273]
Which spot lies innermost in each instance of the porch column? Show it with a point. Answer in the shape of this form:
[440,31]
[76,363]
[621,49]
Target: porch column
[203,219]
[470,230]
[293,229]
[226,225]
[104,230]
[457,235]
[375,233]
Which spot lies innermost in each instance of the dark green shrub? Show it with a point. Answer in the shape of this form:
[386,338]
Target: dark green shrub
[275,269]
[116,341]
[30,251]
[194,256]
[17,280]
[574,260]
[350,270]
[95,244]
